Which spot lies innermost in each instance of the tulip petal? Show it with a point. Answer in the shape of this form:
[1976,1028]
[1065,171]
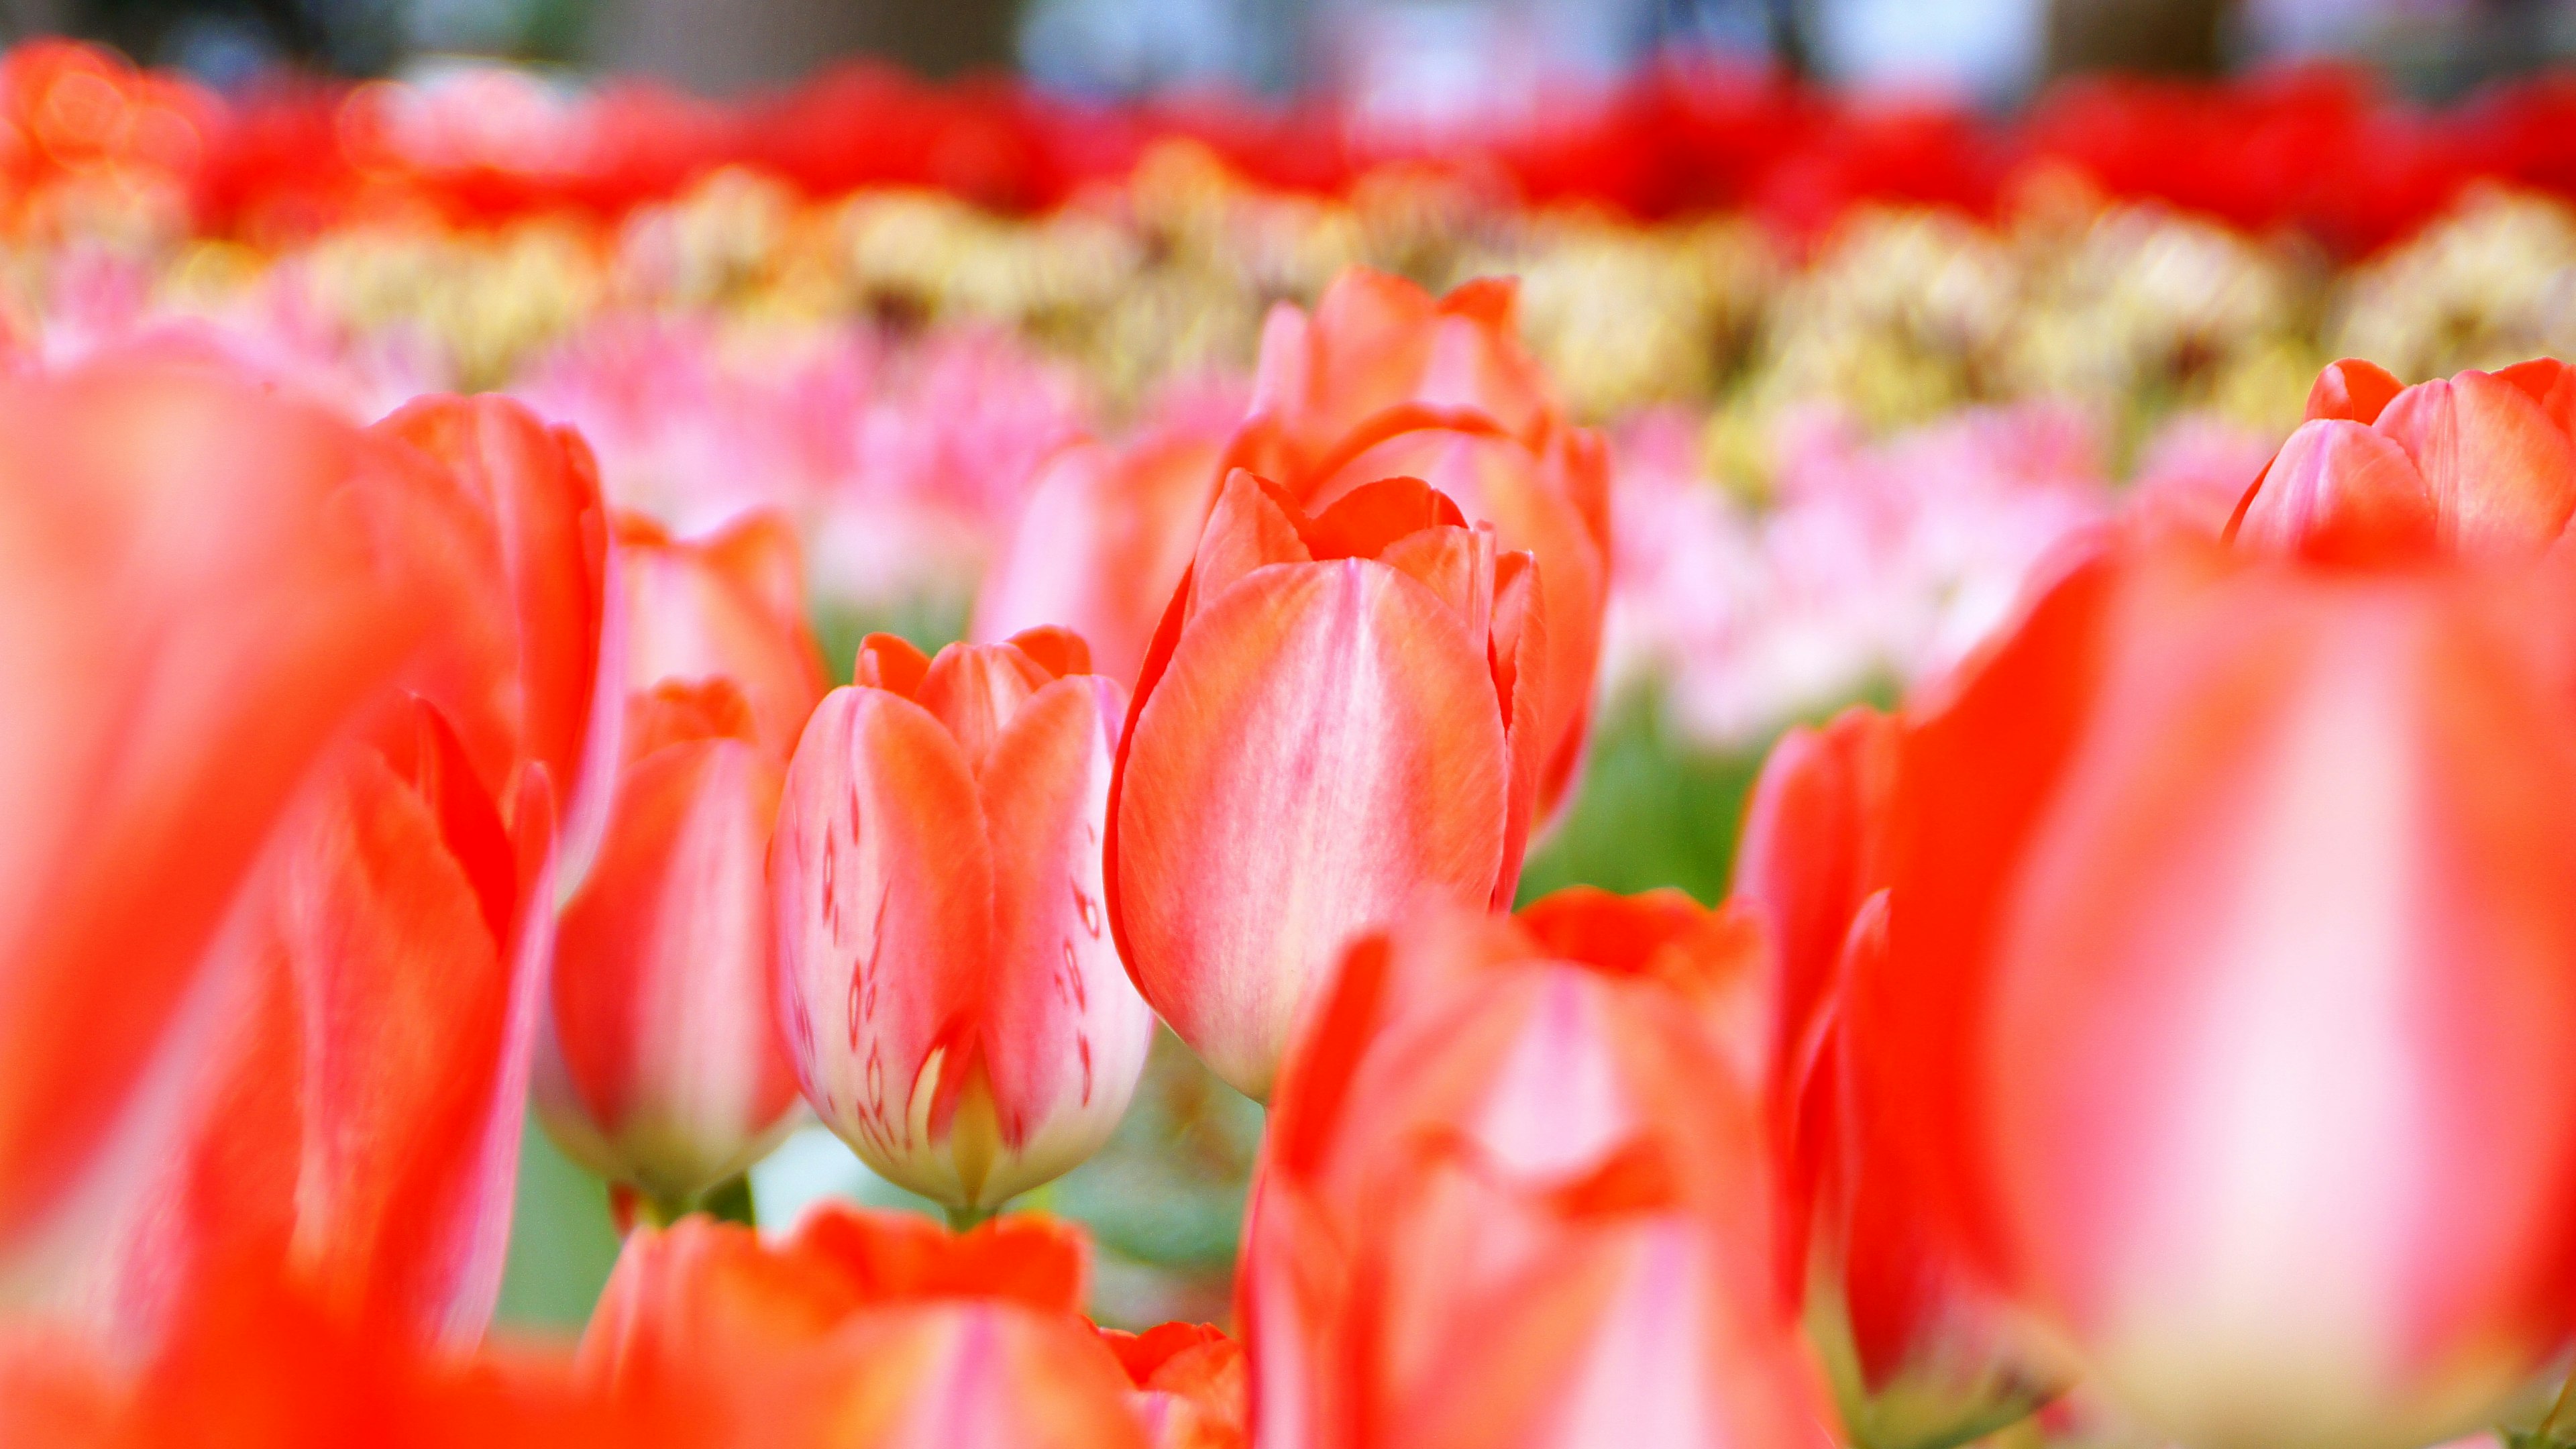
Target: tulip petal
[881,879]
[1065,1032]
[2502,473]
[2353,390]
[2340,492]
[1323,745]
[976,689]
[1252,525]
[696,609]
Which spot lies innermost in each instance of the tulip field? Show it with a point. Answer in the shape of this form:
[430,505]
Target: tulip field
[900,765]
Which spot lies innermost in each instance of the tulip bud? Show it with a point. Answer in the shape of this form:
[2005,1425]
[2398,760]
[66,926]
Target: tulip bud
[1386,381]
[2479,464]
[955,1006]
[1516,1192]
[662,1066]
[2226,1013]
[1340,713]
[665,1068]
[1922,1355]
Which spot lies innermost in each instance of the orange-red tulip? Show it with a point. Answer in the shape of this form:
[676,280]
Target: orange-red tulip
[1922,1354]
[2227,1002]
[953,1001]
[662,1065]
[1104,538]
[1517,1193]
[2479,464]
[731,606]
[552,694]
[350,1114]
[864,1329]
[201,589]
[1384,380]
[1191,1385]
[1339,714]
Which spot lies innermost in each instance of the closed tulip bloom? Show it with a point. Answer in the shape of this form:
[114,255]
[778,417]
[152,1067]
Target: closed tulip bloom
[2226,1006]
[1384,380]
[351,1115]
[2479,464]
[1922,1353]
[665,1068]
[203,591]
[1340,714]
[555,694]
[954,1003]
[1105,535]
[728,605]
[1516,1193]
[1191,1385]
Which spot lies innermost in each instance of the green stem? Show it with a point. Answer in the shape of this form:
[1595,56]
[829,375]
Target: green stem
[960,1219]
[730,1201]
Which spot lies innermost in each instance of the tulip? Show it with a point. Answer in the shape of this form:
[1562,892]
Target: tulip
[1381,647]
[204,591]
[1516,1192]
[2224,1012]
[1190,1385]
[730,605]
[954,1004]
[664,1067]
[1383,381]
[1921,1354]
[2479,464]
[863,1329]
[1104,538]
[351,1115]
[552,695]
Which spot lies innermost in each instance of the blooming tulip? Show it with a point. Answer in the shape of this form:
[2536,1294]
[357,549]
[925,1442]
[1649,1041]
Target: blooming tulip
[1382,381]
[1516,1193]
[863,1329]
[662,1066]
[2225,1009]
[1340,713]
[2481,464]
[1922,1354]
[202,590]
[553,696]
[352,1114]
[1105,536]
[954,1004]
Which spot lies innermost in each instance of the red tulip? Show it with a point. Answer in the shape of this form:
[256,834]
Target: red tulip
[2480,464]
[202,589]
[2227,1005]
[664,1067]
[730,605]
[1190,1385]
[863,1329]
[1339,714]
[351,1113]
[1516,1193]
[954,1004]
[553,693]
[1382,381]
[1922,1354]
[1103,539]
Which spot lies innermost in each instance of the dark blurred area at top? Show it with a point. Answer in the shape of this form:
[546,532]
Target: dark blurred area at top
[1412,56]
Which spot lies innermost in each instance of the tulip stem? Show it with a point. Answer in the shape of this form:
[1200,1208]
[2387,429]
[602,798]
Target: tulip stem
[731,1202]
[960,1219]
[2546,1434]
